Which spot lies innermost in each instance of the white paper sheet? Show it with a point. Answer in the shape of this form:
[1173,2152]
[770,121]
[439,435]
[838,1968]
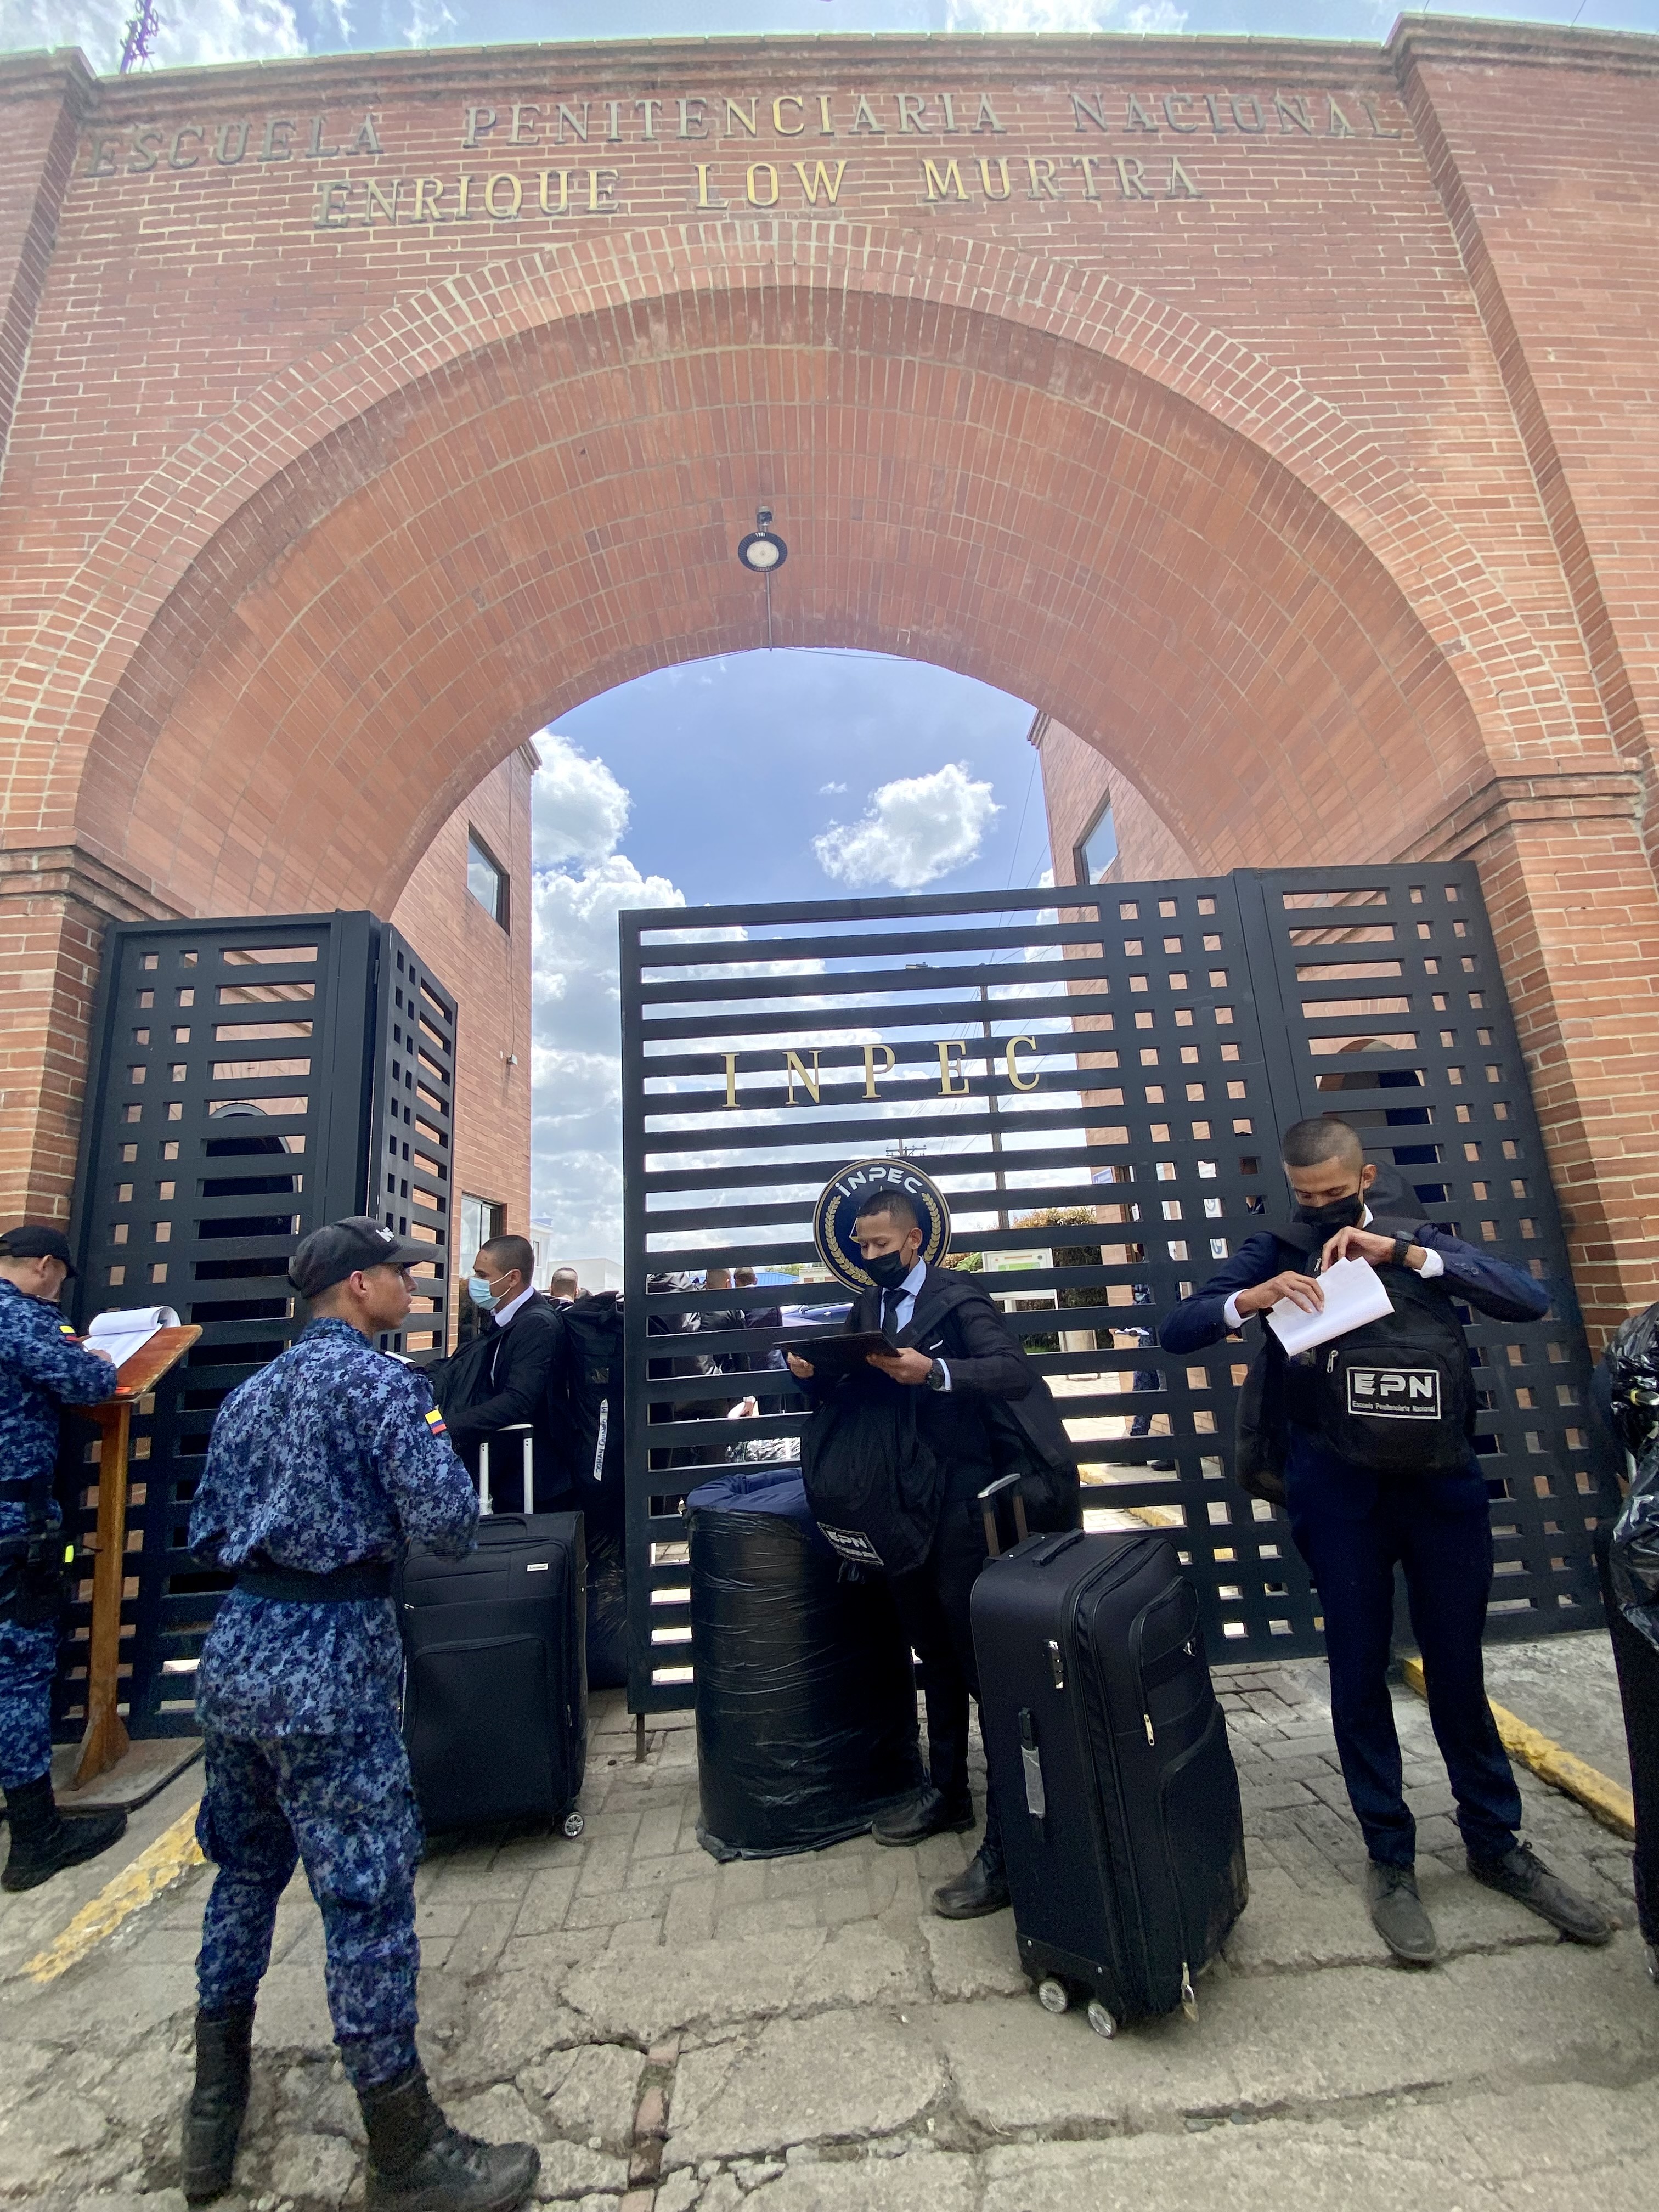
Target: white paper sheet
[121,1333]
[1354,1295]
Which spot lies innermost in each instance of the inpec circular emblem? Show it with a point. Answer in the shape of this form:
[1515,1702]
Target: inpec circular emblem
[851,1188]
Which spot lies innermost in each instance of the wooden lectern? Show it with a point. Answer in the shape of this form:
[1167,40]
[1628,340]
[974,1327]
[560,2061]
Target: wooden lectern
[105,1739]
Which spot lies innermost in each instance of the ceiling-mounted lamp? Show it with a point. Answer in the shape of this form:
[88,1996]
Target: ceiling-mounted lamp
[762,550]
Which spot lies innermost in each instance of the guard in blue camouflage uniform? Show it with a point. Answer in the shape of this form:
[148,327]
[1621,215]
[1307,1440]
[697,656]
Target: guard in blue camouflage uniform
[318,1468]
[42,1368]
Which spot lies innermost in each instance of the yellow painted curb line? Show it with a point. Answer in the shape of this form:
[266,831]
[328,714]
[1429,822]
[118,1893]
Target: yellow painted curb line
[173,1855]
[1597,1792]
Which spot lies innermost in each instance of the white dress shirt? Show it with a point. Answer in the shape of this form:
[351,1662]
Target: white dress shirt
[502,1314]
[1432,1265]
[904,1305]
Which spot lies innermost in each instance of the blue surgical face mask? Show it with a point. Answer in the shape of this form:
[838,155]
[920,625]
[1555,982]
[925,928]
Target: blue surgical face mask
[478,1290]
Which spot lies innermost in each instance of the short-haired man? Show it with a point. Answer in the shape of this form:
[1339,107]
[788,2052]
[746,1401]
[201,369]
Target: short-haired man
[564,1286]
[500,1380]
[957,1351]
[1352,1522]
[319,1469]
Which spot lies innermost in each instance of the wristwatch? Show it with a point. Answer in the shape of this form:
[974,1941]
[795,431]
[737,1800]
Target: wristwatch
[936,1376]
[1401,1246]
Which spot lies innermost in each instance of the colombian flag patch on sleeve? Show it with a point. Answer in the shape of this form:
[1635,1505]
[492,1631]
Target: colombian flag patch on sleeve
[434,1421]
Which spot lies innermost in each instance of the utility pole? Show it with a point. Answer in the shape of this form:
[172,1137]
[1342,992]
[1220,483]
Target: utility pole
[142,33]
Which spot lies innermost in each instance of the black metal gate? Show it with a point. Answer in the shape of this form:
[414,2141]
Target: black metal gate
[1122,1056]
[249,1079]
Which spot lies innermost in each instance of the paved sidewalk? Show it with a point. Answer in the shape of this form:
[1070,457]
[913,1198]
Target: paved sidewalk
[820,2043]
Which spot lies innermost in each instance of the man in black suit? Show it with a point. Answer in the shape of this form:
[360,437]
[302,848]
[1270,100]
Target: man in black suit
[981,1405]
[1352,1522]
[500,1380]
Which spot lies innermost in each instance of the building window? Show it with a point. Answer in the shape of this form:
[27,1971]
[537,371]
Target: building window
[486,878]
[482,1218]
[1096,850]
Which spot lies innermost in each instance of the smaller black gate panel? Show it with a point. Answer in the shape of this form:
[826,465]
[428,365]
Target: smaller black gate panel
[1097,1076]
[249,1080]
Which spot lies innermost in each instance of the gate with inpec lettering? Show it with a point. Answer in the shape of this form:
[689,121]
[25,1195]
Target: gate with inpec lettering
[1097,1076]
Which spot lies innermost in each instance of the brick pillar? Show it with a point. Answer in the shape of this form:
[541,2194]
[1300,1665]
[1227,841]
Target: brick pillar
[1575,911]
[54,904]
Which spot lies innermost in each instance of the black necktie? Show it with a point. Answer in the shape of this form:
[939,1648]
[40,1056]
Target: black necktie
[890,1310]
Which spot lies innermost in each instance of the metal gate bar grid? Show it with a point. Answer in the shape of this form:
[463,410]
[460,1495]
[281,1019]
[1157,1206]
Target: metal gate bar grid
[1169,1044]
[243,1074]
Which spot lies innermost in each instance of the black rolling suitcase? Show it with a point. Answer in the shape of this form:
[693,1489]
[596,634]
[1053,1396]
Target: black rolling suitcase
[1109,1758]
[495,1675]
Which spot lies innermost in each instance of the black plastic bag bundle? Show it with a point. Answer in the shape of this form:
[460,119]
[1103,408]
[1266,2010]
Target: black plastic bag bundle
[607,1611]
[806,1689]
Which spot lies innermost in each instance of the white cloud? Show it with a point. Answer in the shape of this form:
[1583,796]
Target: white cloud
[580,810]
[205,31]
[826,790]
[1071,16]
[427,21]
[916,829]
[575,1046]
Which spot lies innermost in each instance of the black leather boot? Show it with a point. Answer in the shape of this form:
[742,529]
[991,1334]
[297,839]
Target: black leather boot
[418,2163]
[213,2117]
[981,1887]
[43,1843]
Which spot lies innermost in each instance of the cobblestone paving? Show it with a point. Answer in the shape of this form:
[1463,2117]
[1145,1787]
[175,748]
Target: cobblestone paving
[803,2036]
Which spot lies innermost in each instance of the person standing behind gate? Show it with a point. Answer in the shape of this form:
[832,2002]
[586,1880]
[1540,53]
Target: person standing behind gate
[318,1469]
[965,1366]
[41,1368]
[1352,1519]
[500,1382]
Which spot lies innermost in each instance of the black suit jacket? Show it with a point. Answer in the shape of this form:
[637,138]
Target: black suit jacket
[500,1379]
[991,1382]
[1482,1278]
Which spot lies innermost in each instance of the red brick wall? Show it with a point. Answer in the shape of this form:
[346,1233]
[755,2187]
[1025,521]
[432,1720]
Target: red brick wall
[1283,434]
[1077,782]
[487,968]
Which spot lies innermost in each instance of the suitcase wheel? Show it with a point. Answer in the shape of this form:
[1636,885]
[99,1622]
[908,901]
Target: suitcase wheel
[574,1824]
[1053,1995]
[1100,2020]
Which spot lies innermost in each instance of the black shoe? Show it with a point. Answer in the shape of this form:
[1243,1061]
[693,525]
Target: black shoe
[928,1813]
[1397,1913]
[981,1887]
[43,1843]
[418,2163]
[1521,1875]
[213,2117]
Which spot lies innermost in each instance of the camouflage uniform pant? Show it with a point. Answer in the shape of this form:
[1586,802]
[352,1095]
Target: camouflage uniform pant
[344,1805]
[28,1659]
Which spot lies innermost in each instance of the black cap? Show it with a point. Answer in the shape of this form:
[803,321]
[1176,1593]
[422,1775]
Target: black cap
[36,1240]
[329,1254]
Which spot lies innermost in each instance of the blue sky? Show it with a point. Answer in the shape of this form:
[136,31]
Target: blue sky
[758,776]
[195,31]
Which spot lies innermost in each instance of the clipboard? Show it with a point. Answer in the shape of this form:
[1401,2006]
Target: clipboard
[836,1352]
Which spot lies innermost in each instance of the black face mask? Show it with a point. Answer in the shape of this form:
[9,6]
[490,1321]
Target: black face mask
[889,1269]
[1340,1214]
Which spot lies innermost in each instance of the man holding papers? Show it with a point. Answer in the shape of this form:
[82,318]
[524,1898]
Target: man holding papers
[1366,1412]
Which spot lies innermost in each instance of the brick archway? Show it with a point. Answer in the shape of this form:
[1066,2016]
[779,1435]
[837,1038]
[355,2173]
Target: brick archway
[299,646]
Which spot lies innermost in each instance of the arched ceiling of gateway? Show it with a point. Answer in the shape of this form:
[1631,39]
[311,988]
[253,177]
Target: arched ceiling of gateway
[481,551]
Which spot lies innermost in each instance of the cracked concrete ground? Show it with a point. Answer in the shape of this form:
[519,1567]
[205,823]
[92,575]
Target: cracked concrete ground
[803,2035]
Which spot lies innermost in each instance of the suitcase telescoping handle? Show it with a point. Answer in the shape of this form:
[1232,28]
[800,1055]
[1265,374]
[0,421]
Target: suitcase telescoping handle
[987,1506]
